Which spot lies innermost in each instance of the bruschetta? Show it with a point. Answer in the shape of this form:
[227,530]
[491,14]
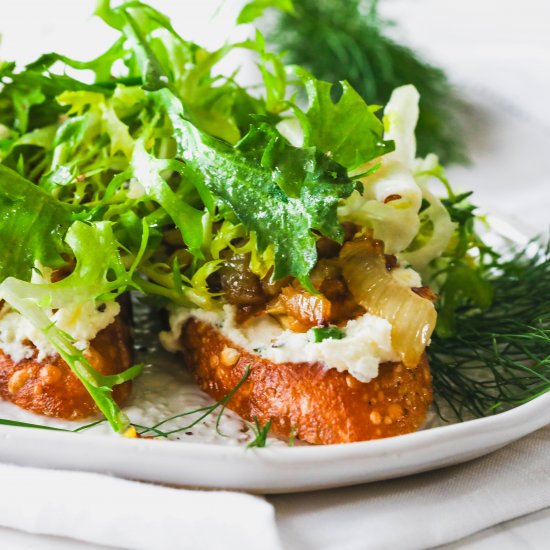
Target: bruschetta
[48,386]
[307,400]
[344,364]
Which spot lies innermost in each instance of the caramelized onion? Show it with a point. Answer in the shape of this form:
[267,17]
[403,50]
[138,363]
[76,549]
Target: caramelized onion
[304,310]
[411,316]
[240,286]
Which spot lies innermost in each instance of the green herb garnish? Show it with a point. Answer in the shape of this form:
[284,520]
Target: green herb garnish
[260,433]
[348,41]
[206,411]
[500,357]
[322,333]
[17,424]
[256,8]
[32,226]
[153,430]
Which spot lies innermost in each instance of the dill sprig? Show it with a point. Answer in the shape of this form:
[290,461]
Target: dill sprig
[154,430]
[206,411]
[260,433]
[347,41]
[499,357]
[18,424]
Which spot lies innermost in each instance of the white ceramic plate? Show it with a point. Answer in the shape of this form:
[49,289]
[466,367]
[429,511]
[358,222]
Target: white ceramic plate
[274,469]
[202,458]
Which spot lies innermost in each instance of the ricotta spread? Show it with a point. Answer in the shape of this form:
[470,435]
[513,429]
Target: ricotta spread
[20,339]
[366,342]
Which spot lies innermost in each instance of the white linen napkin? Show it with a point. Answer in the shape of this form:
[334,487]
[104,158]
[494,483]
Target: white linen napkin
[417,512]
[425,510]
[127,514]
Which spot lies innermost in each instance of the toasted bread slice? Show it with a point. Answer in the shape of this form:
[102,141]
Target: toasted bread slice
[316,404]
[49,387]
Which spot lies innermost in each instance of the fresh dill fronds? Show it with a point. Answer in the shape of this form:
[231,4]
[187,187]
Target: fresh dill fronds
[154,430]
[90,425]
[260,433]
[347,40]
[17,424]
[499,357]
[207,411]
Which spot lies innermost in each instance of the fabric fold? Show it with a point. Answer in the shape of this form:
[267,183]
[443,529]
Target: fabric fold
[132,515]
[424,510]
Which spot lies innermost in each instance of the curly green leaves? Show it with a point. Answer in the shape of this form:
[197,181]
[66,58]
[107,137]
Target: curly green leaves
[32,226]
[256,8]
[278,191]
[98,275]
[340,123]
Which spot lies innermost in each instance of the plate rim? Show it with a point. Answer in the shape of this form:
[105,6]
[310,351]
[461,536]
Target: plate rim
[524,415]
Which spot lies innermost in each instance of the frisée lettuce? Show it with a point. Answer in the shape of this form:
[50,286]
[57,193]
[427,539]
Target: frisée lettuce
[150,177]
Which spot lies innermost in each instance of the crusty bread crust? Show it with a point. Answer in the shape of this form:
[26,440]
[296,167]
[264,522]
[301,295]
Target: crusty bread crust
[49,387]
[317,405]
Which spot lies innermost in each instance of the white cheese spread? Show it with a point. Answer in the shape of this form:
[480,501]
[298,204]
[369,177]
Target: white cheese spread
[366,342]
[19,339]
